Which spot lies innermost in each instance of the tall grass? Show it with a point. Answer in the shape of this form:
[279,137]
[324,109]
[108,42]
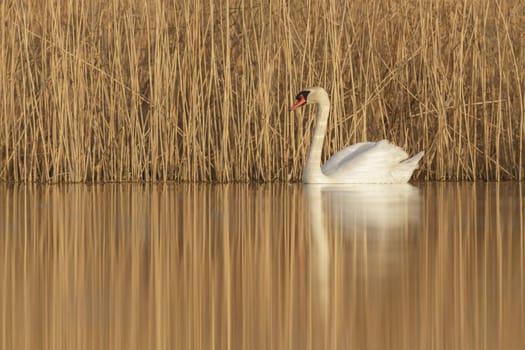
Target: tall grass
[199,90]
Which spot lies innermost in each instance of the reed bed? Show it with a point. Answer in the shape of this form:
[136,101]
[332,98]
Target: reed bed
[199,90]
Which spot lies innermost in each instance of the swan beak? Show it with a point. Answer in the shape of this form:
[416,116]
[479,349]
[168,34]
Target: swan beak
[298,103]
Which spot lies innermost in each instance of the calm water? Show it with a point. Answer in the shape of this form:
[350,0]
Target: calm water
[432,266]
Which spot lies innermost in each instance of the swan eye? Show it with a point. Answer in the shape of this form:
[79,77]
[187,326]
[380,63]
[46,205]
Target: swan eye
[302,94]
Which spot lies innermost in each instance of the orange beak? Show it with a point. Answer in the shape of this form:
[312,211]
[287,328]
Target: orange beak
[298,103]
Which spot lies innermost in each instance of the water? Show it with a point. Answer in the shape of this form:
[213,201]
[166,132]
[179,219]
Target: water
[262,267]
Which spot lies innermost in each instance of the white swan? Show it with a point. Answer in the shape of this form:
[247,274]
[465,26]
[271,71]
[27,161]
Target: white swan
[364,162]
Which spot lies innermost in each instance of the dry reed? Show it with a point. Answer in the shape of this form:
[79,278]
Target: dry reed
[195,90]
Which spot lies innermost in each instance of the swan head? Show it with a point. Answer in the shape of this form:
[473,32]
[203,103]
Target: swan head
[310,96]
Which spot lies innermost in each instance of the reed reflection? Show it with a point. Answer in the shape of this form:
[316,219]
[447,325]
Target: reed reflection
[258,267]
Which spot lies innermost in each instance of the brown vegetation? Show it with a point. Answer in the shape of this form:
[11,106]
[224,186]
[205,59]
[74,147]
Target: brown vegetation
[195,90]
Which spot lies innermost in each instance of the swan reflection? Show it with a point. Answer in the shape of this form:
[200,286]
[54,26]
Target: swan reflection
[364,208]
[371,212]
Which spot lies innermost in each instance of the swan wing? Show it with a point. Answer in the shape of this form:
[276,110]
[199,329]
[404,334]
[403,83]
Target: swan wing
[337,158]
[370,162]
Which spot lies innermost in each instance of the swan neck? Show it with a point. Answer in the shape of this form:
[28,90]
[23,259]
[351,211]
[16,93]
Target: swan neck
[312,169]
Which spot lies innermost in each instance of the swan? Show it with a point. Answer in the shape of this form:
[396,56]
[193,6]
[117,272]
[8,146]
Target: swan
[364,162]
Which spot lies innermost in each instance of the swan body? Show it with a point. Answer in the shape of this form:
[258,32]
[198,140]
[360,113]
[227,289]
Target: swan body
[365,162]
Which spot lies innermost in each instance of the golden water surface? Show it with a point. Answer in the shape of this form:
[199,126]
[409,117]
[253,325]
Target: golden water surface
[429,266]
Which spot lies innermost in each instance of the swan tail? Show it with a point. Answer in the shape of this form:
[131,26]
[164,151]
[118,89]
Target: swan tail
[414,160]
[406,168]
